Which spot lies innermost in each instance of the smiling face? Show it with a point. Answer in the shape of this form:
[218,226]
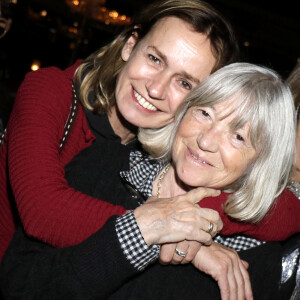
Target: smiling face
[207,152]
[163,68]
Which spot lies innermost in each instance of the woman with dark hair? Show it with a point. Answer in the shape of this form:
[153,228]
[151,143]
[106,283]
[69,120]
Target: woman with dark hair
[138,80]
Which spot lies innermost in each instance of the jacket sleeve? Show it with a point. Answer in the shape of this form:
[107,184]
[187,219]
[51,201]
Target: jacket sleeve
[91,270]
[49,209]
[281,222]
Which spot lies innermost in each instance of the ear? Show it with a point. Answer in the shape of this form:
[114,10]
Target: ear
[128,47]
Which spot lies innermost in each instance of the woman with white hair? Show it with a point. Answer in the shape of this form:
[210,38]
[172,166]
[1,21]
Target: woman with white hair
[256,99]
[226,136]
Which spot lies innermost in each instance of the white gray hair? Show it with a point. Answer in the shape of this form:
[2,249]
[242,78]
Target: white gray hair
[266,102]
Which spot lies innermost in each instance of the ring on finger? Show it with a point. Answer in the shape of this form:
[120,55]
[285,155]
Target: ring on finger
[180,253]
[210,227]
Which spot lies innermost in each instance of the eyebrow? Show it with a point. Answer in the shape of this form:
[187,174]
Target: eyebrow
[165,59]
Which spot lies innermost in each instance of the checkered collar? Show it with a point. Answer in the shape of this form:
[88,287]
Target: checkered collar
[142,172]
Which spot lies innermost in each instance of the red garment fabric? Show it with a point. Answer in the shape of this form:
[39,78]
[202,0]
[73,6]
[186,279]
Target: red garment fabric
[49,209]
[281,222]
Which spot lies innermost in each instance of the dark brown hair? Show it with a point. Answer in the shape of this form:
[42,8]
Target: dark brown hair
[98,73]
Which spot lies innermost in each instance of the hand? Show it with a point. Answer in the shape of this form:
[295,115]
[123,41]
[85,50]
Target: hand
[225,266]
[168,254]
[179,218]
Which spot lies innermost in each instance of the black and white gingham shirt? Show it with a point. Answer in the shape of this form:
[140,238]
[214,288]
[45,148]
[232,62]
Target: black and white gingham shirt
[140,177]
[132,242]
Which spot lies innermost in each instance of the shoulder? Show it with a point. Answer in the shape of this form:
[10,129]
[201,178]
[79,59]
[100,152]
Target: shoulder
[48,87]
[53,77]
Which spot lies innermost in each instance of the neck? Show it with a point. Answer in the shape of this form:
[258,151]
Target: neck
[171,186]
[296,175]
[125,130]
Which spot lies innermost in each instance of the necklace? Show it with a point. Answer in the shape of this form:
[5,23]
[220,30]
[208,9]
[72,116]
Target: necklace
[160,179]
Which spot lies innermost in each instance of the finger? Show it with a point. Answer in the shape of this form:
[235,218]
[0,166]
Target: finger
[181,250]
[223,284]
[196,195]
[240,283]
[192,250]
[248,288]
[207,231]
[240,274]
[212,216]
[210,227]
[233,286]
[166,253]
[246,265]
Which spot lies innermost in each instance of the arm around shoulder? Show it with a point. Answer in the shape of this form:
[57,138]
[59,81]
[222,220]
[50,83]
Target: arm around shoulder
[49,209]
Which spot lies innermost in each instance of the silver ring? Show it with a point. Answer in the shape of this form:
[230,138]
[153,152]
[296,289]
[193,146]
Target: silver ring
[210,227]
[180,253]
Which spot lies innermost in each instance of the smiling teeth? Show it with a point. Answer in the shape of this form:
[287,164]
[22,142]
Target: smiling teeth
[204,162]
[142,101]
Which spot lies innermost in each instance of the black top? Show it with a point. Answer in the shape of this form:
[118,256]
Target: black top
[95,171]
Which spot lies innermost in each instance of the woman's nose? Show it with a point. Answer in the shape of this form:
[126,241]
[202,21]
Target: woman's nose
[208,139]
[157,87]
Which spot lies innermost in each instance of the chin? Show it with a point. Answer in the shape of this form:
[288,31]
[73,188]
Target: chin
[191,183]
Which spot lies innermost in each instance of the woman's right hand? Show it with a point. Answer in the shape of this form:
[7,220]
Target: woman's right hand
[170,220]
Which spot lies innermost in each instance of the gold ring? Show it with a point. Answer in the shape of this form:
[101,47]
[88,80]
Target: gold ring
[210,227]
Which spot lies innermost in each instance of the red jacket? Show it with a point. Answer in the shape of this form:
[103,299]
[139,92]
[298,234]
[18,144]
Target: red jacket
[49,209]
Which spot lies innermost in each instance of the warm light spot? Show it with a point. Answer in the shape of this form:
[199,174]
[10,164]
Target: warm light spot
[73,30]
[76,2]
[96,10]
[35,65]
[246,44]
[14,1]
[113,14]
[43,13]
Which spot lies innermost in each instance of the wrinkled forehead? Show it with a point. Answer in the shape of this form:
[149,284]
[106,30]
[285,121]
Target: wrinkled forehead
[238,108]
[242,108]
[227,109]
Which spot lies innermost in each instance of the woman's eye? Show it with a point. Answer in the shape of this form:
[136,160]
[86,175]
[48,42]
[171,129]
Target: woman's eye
[240,138]
[201,114]
[186,84]
[154,59]
[205,113]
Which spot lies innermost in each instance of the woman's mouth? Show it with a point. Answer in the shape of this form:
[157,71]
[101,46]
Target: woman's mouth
[199,159]
[143,102]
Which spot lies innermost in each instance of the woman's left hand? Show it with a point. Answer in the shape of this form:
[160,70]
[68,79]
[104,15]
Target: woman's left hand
[179,253]
[225,266]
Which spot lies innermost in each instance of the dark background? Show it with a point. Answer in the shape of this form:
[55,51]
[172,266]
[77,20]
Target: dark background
[268,33]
